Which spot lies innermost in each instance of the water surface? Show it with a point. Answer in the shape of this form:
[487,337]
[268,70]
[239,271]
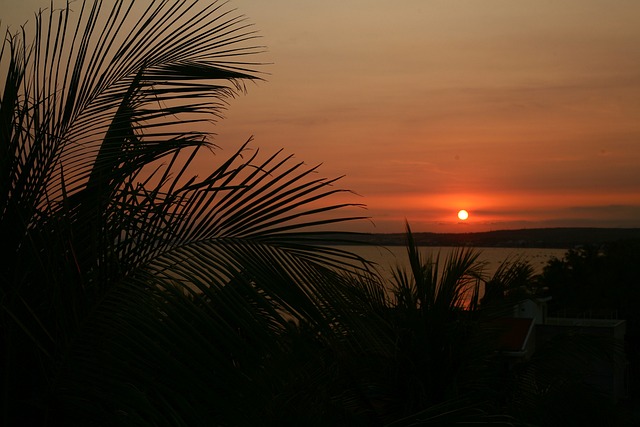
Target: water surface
[388,257]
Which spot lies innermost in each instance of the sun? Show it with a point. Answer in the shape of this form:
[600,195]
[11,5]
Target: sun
[463,215]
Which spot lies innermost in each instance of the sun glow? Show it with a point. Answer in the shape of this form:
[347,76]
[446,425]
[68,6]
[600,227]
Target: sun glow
[463,215]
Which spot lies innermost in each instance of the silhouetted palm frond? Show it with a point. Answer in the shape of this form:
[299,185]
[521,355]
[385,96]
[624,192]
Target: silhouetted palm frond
[134,292]
[432,286]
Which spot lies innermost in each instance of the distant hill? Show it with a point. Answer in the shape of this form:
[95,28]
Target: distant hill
[525,238]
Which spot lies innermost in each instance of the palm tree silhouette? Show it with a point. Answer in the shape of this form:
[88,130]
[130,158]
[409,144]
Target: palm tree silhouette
[132,291]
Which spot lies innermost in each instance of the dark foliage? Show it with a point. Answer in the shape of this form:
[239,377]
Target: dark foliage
[600,281]
[133,293]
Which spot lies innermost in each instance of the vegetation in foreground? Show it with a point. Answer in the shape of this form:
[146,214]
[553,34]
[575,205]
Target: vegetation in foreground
[135,294]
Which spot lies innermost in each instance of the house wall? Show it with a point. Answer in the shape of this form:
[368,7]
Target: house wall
[608,375]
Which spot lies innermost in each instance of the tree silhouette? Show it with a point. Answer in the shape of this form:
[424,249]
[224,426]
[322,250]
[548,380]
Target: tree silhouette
[132,291]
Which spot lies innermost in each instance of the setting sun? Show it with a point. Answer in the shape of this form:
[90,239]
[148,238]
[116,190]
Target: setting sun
[463,215]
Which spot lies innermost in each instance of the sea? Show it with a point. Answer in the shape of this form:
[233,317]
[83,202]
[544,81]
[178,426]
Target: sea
[388,257]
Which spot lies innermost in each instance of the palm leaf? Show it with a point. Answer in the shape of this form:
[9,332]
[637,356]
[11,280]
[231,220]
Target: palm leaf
[432,286]
[136,293]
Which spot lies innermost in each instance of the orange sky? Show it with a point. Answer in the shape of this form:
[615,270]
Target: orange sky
[526,113]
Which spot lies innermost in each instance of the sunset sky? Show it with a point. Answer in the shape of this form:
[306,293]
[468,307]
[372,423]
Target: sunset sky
[524,113]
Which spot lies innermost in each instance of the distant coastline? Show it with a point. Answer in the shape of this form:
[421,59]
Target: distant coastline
[561,238]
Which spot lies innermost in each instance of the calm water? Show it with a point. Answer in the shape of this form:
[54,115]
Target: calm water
[389,256]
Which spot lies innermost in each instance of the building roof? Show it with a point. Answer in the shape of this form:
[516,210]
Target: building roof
[514,333]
